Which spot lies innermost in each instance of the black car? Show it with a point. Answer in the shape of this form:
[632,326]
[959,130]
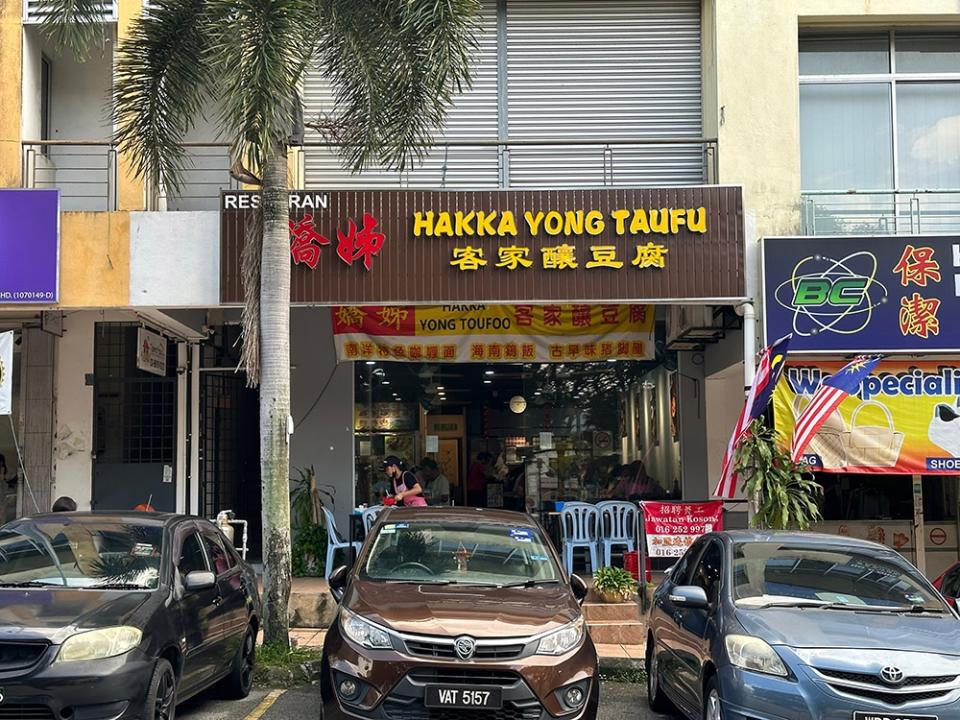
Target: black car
[121,616]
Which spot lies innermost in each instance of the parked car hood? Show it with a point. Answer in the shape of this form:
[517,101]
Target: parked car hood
[54,614]
[814,628]
[452,610]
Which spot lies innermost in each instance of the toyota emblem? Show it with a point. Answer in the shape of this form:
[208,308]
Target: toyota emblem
[465,647]
[891,675]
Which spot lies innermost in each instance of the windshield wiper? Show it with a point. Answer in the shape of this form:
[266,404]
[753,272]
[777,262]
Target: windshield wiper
[530,583]
[824,605]
[117,586]
[30,583]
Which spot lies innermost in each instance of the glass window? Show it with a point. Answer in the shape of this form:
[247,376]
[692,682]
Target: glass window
[769,573]
[80,554]
[219,557]
[928,133]
[844,54]
[951,584]
[928,52]
[708,571]
[191,556]
[460,552]
[846,137]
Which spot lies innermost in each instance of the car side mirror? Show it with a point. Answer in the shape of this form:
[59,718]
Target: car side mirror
[338,582]
[579,588]
[199,580]
[689,596]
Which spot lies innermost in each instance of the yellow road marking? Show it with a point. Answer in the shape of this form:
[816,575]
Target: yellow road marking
[265,705]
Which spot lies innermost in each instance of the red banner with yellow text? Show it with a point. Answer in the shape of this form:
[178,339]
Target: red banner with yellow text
[494,333]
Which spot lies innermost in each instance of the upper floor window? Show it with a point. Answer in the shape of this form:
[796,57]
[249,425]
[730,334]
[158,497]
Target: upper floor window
[880,111]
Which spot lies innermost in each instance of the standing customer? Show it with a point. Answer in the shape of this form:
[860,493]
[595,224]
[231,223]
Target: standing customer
[406,487]
[477,480]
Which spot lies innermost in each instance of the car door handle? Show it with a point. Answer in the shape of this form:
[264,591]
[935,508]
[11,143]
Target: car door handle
[217,600]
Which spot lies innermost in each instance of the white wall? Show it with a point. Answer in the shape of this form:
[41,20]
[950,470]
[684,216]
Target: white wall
[724,392]
[175,259]
[325,438]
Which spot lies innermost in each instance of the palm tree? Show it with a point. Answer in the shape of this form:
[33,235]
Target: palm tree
[394,66]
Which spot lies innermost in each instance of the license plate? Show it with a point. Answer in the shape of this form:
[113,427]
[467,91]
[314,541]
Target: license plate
[456,696]
[884,715]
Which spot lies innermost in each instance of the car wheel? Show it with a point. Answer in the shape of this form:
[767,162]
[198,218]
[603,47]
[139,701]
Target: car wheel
[712,709]
[161,701]
[238,683]
[658,701]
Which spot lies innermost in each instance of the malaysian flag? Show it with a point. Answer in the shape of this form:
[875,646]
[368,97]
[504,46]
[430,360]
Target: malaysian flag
[769,369]
[827,398]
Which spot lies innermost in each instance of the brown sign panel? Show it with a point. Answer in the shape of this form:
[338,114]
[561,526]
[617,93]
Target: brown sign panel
[412,246]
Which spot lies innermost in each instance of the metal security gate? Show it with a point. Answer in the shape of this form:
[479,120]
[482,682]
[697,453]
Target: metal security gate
[135,424]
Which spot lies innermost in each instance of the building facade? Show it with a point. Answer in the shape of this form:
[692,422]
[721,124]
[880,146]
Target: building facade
[779,104]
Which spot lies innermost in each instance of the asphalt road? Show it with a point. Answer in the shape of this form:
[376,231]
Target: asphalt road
[618,701]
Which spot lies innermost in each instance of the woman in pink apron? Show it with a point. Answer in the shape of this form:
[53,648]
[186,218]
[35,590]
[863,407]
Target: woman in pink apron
[406,487]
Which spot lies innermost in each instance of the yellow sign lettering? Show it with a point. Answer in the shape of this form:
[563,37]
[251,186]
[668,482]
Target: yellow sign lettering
[533,221]
[423,223]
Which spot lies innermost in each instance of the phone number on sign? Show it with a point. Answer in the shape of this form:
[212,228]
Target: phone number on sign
[667,529]
[26,295]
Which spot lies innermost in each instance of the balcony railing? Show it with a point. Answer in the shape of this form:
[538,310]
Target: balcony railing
[86,171]
[881,212]
[86,174]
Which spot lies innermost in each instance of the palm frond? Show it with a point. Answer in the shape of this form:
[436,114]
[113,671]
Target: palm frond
[160,85]
[258,57]
[395,66]
[76,25]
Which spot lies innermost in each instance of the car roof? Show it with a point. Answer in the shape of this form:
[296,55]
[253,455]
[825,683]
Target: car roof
[443,513]
[807,539]
[127,517]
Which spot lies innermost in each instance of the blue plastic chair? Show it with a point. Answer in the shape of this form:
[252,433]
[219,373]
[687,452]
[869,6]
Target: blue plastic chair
[370,517]
[335,541]
[618,526]
[578,528]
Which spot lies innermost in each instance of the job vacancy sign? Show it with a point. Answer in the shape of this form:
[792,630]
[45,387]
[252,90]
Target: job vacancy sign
[29,247]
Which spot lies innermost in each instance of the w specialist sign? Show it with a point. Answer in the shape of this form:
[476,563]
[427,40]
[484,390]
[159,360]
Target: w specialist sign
[863,294]
[29,246]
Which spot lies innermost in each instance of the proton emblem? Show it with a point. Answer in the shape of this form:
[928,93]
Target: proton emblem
[891,675]
[465,647]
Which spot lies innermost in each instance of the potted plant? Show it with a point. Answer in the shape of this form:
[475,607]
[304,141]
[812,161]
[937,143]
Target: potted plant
[783,492]
[613,585]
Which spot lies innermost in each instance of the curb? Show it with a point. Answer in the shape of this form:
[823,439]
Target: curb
[609,666]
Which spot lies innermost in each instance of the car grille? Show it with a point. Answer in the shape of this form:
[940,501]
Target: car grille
[872,687]
[416,710]
[425,648]
[25,712]
[466,676]
[869,679]
[19,656]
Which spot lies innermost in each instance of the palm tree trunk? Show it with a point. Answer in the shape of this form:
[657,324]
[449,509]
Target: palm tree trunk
[275,397]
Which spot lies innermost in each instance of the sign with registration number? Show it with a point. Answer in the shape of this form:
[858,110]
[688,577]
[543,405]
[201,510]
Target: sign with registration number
[450,696]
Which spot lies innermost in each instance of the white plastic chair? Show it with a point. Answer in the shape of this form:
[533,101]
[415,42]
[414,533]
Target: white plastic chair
[370,517]
[618,523]
[578,528]
[335,541]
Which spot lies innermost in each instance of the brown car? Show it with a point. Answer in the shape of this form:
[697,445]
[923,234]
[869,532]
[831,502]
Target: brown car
[458,613]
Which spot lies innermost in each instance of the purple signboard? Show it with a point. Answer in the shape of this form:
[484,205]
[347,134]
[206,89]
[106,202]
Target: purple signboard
[29,247]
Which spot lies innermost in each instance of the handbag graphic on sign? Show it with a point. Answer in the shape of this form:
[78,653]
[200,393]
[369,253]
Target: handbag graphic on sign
[872,445]
[828,443]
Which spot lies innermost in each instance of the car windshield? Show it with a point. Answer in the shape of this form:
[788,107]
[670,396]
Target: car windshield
[468,553]
[79,554]
[767,574]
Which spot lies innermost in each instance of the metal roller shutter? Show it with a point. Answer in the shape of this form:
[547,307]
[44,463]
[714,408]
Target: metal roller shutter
[472,116]
[604,69]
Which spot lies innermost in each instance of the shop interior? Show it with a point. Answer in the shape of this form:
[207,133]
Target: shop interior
[519,436]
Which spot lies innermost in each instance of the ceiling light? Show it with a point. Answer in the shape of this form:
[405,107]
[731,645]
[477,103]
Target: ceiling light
[611,360]
[488,372]
[487,382]
[386,382]
[440,387]
[370,362]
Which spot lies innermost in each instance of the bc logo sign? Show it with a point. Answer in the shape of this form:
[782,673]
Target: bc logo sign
[829,295]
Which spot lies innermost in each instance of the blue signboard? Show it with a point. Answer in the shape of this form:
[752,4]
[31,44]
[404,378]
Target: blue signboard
[29,246]
[863,294]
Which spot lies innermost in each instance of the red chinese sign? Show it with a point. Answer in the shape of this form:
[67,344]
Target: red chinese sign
[671,528]
[363,243]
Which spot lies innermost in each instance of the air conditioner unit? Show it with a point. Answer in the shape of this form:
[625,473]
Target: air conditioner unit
[689,327]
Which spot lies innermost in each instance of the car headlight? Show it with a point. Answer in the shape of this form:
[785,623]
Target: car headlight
[99,644]
[562,640]
[362,632]
[752,653]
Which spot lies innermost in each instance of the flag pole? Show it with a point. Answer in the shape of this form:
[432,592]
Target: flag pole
[749,370]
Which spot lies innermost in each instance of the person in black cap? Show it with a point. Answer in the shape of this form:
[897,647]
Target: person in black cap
[406,487]
[65,504]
